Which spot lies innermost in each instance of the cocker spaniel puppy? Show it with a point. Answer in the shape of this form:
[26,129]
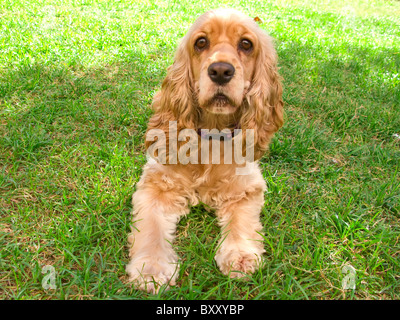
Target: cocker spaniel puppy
[224,78]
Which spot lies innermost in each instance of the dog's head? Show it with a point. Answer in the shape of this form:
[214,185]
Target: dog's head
[225,64]
[223,49]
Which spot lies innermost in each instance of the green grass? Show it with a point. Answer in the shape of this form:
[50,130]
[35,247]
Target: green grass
[76,81]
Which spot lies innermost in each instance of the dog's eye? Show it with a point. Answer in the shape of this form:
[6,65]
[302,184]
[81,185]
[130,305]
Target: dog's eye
[201,43]
[245,45]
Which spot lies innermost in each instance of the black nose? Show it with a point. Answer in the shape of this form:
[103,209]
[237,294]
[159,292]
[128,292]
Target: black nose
[221,72]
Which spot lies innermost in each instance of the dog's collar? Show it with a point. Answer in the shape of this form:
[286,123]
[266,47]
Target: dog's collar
[220,135]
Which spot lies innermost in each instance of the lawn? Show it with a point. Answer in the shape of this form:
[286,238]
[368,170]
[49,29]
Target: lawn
[76,82]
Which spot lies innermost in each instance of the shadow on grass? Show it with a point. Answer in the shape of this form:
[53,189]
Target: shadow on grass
[47,105]
[43,104]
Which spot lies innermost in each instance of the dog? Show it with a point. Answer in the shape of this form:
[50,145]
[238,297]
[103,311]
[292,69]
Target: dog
[224,77]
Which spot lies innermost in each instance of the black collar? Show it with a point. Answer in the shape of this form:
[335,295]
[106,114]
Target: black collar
[220,135]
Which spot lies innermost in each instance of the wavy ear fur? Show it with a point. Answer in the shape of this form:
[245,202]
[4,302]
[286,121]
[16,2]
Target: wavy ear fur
[174,102]
[264,105]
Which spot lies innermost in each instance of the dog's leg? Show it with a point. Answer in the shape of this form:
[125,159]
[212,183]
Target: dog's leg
[241,246]
[158,204]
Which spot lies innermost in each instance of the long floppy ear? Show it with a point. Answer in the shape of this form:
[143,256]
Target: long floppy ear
[264,110]
[174,102]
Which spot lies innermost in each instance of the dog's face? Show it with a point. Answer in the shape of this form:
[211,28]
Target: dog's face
[224,73]
[223,55]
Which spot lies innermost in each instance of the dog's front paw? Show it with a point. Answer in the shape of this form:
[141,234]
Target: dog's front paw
[151,273]
[237,264]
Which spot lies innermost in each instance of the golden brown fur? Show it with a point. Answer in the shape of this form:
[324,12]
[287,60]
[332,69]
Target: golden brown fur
[165,191]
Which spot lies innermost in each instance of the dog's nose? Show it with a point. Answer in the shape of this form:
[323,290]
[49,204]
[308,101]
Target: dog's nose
[221,72]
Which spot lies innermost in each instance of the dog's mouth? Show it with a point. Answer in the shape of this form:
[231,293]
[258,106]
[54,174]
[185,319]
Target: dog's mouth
[221,98]
[221,103]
